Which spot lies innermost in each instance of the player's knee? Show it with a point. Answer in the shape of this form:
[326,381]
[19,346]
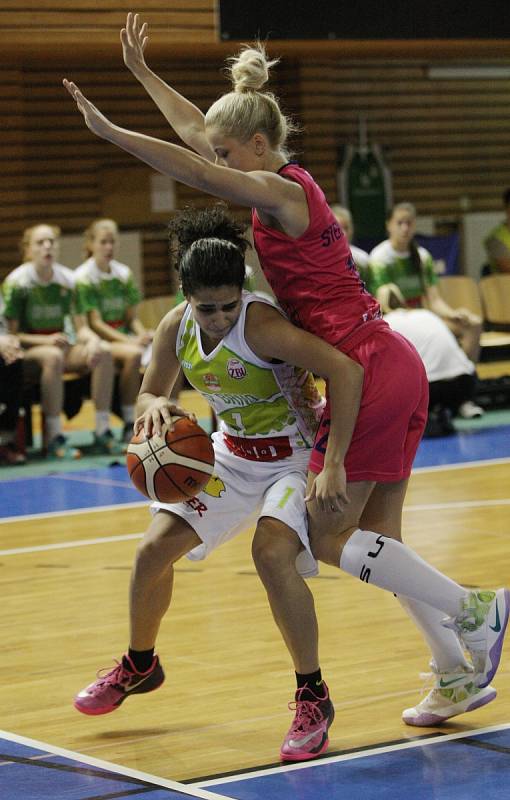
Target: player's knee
[105,357]
[54,359]
[319,544]
[133,358]
[271,556]
[156,553]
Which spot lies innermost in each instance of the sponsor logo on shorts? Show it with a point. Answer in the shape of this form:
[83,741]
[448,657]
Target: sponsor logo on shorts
[196,505]
[215,487]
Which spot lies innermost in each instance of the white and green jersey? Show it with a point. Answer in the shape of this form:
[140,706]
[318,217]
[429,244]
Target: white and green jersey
[111,293]
[387,265]
[277,404]
[37,306]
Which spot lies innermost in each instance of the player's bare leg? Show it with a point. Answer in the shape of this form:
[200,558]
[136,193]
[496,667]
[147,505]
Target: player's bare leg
[167,539]
[275,548]
[129,357]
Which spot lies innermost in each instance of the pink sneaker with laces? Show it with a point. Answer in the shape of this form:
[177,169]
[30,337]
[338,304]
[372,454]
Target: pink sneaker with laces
[308,734]
[111,689]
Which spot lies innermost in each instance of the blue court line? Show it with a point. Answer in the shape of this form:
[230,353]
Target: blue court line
[461,766]
[32,770]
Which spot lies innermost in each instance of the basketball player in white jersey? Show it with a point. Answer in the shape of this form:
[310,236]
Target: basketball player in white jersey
[237,349]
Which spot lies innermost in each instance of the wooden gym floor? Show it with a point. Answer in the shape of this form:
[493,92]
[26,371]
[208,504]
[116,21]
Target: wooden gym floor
[223,707]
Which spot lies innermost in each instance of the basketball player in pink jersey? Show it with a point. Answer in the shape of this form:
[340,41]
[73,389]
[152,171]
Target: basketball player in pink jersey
[240,155]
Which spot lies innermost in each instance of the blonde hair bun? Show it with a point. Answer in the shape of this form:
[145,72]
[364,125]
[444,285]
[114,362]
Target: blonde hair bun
[249,71]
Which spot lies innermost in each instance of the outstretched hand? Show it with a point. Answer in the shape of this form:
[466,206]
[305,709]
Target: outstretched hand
[94,120]
[134,41]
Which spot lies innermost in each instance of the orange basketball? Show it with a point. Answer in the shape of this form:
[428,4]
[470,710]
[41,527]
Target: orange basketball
[174,466]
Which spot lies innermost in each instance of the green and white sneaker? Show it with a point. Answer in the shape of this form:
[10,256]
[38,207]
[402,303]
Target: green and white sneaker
[60,449]
[454,693]
[106,444]
[481,627]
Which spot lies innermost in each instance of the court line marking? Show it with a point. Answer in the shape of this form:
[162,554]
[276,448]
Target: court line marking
[40,548]
[140,503]
[117,769]
[349,756]
[97,481]
[71,511]
[463,464]
[504,501]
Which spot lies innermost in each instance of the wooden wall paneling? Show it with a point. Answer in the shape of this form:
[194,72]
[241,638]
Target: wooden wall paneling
[71,28]
[437,135]
[160,278]
[446,141]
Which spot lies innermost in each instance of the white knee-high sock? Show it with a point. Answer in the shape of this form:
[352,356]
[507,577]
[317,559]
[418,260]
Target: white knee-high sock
[391,565]
[443,642]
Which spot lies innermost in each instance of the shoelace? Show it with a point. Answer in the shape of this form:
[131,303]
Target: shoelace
[308,713]
[429,682]
[117,676]
[430,679]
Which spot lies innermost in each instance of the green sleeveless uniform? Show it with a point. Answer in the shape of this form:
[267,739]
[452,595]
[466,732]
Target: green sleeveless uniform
[111,293]
[252,398]
[386,265]
[37,306]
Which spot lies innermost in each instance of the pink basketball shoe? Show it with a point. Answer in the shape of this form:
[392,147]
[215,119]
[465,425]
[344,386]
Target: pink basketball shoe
[308,734]
[110,690]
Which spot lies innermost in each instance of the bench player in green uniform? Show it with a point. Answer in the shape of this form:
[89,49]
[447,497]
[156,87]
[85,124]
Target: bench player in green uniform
[497,241]
[400,261]
[39,307]
[106,292]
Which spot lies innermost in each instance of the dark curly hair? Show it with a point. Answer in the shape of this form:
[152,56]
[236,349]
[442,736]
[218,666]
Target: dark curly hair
[209,248]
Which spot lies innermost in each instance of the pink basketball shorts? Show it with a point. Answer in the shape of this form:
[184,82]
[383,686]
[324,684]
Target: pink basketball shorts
[393,410]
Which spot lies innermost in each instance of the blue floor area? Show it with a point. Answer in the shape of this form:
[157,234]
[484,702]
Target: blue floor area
[473,445]
[459,767]
[67,491]
[30,773]
[465,768]
[107,486]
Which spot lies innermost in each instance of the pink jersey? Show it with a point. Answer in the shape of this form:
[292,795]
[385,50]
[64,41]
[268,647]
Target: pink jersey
[314,277]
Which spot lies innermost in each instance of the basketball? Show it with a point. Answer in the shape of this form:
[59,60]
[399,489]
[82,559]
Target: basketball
[174,466]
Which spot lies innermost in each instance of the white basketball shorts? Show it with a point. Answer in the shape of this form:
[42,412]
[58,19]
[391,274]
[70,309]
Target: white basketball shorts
[239,493]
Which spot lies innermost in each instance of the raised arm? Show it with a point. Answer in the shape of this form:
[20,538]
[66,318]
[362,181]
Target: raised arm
[265,190]
[185,118]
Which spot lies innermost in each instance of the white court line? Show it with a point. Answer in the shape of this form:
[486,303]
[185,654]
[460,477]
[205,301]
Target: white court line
[98,481]
[126,537]
[163,783]
[465,464]
[504,501]
[348,756]
[71,511]
[138,504]
[16,551]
